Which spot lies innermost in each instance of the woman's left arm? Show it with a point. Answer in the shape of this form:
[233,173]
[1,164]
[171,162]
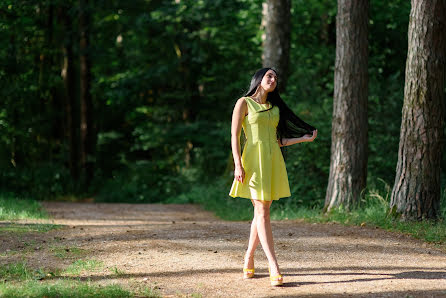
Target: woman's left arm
[292,141]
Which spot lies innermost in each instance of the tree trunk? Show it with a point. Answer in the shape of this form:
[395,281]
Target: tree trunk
[348,164]
[68,75]
[12,68]
[416,192]
[47,91]
[276,40]
[86,123]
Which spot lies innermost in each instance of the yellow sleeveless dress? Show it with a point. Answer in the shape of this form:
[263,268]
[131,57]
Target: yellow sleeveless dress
[266,177]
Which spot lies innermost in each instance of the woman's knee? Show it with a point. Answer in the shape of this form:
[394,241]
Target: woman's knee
[262,210]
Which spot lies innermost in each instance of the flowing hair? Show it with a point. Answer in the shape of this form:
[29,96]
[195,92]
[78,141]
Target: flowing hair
[290,125]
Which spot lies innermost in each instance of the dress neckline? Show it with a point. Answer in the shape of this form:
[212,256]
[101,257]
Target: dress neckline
[262,104]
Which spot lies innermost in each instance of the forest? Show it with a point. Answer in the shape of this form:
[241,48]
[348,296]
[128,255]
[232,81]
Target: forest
[131,101]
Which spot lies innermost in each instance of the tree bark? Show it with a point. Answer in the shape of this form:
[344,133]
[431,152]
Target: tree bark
[276,39]
[68,75]
[86,123]
[416,192]
[349,142]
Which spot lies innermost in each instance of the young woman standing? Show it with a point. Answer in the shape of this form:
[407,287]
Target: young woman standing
[260,173]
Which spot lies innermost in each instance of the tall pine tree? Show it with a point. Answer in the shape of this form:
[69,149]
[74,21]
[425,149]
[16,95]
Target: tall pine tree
[348,164]
[416,192]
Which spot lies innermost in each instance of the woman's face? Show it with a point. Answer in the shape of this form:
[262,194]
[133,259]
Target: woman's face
[269,81]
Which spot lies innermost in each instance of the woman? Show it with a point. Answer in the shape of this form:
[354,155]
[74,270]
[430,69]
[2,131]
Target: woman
[260,174]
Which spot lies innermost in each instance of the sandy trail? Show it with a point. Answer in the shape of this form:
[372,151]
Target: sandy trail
[185,251]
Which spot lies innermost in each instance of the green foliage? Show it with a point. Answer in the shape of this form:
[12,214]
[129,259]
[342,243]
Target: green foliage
[43,180]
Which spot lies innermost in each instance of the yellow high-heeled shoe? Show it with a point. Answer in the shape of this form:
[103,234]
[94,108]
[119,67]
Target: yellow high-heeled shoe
[248,273]
[276,280]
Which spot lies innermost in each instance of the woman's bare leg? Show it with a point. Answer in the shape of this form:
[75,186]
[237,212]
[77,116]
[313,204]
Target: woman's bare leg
[263,225]
[253,242]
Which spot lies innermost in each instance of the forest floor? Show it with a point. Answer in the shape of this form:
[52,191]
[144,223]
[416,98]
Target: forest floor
[183,251]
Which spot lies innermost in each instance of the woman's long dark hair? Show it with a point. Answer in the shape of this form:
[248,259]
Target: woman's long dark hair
[290,126]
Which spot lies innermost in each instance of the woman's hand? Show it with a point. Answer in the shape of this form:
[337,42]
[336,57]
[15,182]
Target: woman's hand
[304,138]
[239,174]
[310,138]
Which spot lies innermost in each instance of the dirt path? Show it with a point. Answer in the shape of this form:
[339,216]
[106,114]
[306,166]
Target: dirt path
[187,252]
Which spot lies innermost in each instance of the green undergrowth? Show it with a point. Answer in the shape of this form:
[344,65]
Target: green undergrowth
[20,280]
[14,207]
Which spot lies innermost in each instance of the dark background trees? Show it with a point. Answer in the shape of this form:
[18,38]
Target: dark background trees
[131,100]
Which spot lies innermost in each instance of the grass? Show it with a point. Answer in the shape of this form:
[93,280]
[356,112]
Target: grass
[116,271]
[20,271]
[150,292]
[13,207]
[83,265]
[16,271]
[26,228]
[67,252]
[19,280]
[62,288]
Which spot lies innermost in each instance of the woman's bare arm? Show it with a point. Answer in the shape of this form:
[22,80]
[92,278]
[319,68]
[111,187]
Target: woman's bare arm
[292,141]
[240,110]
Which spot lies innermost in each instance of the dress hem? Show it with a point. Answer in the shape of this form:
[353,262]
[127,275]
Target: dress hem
[276,199]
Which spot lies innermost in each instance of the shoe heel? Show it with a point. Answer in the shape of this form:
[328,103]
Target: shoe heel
[276,280]
[248,273]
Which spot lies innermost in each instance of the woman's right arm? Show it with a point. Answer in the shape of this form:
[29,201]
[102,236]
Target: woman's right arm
[239,113]
[292,141]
